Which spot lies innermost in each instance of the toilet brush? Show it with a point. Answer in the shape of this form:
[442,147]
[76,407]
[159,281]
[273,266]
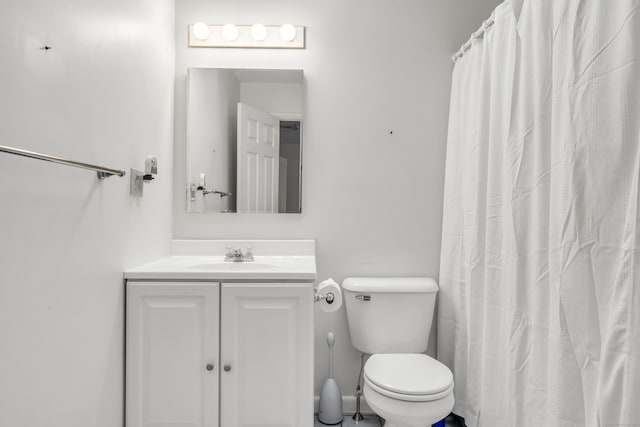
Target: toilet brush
[330,405]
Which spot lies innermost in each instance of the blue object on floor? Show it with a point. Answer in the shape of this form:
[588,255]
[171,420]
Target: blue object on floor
[439,424]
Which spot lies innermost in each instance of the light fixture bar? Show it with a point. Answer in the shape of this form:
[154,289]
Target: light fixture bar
[275,38]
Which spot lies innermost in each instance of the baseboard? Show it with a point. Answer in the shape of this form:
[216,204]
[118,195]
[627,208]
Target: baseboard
[348,405]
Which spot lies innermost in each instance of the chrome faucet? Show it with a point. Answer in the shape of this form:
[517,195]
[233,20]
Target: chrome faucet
[236,254]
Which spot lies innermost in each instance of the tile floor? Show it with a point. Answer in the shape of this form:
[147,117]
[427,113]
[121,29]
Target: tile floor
[375,421]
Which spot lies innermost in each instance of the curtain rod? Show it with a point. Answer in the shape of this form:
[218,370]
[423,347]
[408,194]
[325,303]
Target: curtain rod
[477,35]
[102,171]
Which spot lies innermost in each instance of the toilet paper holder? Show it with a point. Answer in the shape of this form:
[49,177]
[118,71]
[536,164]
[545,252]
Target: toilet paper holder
[329,294]
[329,297]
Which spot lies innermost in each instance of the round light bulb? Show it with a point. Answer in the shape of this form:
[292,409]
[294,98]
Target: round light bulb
[258,32]
[200,31]
[288,32]
[229,32]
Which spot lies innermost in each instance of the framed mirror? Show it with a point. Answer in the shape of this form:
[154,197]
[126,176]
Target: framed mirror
[244,140]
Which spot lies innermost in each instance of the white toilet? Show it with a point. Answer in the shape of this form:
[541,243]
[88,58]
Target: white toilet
[390,318]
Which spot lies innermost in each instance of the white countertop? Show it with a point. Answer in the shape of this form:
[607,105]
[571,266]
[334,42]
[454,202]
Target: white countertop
[215,268]
[188,263]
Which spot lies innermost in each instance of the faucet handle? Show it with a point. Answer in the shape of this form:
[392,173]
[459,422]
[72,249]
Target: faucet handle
[248,253]
[228,251]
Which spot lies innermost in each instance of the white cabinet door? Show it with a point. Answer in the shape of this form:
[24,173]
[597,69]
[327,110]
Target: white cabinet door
[172,335]
[266,352]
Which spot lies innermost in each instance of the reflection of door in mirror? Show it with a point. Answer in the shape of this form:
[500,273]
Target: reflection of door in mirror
[268,162]
[258,160]
[215,147]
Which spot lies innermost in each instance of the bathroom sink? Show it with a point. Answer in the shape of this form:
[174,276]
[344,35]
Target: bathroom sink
[215,268]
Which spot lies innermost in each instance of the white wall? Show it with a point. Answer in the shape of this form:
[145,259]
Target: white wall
[374,137]
[274,97]
[103,94]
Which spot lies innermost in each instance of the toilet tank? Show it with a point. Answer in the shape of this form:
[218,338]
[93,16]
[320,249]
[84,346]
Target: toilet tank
[390,315]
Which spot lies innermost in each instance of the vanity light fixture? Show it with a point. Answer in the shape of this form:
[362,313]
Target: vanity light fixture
[230,32]
[258,32]
[200,31]
[288,32]
[284,36]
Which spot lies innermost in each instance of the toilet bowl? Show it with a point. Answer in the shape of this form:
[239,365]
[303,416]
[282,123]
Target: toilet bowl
[408,390]
[390,319]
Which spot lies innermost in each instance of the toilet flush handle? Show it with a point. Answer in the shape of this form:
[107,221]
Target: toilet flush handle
[363,297]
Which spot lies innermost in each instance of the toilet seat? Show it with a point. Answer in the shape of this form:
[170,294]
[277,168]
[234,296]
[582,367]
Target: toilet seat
[409,377]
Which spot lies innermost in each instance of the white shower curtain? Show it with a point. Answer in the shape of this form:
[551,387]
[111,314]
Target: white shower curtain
[539,307]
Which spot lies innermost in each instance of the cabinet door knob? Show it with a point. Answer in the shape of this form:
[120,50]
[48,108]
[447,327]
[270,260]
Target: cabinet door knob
[227,367]
[210,366]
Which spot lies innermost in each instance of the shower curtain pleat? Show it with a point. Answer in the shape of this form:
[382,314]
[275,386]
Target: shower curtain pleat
[539,307]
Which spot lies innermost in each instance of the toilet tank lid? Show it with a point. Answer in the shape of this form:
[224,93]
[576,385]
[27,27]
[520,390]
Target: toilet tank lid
[390,284]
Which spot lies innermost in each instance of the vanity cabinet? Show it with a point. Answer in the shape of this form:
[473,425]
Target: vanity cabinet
[209,354]
[172,350]
[266,345]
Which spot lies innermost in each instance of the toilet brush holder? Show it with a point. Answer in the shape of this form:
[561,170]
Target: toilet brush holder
[330,405]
